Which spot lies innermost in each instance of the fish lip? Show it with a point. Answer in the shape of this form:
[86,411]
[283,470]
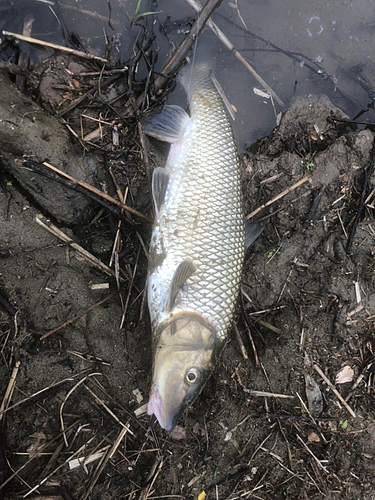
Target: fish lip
[155,407]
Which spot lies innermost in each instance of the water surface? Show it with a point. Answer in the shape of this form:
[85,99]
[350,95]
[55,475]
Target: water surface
[337,35]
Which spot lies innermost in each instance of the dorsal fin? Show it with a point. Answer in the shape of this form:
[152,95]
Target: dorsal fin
[181,275]
[167,126]
[159,187]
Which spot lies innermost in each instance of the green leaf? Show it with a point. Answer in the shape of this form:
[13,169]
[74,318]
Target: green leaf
[39,216]
[343,424]
[9,184]
[137,8]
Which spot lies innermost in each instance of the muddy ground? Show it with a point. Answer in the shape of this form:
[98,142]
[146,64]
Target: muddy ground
[306,310]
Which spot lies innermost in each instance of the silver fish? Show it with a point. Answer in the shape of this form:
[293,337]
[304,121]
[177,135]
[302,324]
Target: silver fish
[197,245]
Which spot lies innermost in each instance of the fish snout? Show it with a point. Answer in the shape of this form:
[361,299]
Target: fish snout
[166,418]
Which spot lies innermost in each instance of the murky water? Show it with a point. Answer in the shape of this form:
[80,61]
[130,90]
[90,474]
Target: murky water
[336,35]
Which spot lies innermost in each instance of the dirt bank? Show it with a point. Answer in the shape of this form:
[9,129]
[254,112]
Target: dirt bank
[307,310]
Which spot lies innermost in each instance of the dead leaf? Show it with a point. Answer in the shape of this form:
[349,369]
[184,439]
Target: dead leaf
[261,93]
[313,437]
[178,433]
[314,395]
[345,375]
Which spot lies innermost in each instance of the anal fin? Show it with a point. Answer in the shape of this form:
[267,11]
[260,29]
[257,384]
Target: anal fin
[252,231]
[159,186]
[181,275]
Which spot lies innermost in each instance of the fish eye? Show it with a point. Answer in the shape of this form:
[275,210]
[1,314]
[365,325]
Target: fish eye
[192,376]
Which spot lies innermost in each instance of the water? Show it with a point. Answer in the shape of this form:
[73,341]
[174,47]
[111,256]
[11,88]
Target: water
[338,35]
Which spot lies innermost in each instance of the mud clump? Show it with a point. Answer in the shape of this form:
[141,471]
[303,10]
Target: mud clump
[29,134]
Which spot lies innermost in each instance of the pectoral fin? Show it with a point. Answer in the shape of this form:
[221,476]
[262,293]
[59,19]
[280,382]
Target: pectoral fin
[252,231]
[167,126]
[181,275]
[159,186]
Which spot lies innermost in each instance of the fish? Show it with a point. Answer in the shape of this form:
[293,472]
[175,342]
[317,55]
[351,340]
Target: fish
[197,245]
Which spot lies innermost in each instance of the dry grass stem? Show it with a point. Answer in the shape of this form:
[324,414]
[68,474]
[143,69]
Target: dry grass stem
[172,66]
[281,195]
[104,462]
[334,390]
[268,394]
[35,455]
[9,391]
[93,189]
[312,454]
[65,400]
[85,254]
[88,357]
[78,315]
[269,180]
[146,492]
[355,311]
[260,446]
[59,467]
[357,292]
[257,364]
[17,475]
[305,407]
[98,400]
[54,46]
[264,311]
[130,288]
[302,340]
[79,462]
[99,286]
[269,326]
[240,342]
[142,410]
[229,45]
[41,392]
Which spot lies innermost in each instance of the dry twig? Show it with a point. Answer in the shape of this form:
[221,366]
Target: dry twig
[312,454]
[173,65]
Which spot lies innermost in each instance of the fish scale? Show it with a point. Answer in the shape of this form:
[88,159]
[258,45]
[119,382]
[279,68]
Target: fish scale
[202,217]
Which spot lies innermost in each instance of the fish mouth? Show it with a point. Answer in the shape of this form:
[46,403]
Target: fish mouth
[155,407]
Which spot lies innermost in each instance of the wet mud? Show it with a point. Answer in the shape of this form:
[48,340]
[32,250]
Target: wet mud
[268,424]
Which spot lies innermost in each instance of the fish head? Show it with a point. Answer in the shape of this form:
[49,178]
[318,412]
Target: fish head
[183,362]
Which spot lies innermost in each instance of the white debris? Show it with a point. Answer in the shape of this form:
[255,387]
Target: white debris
[345,375]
